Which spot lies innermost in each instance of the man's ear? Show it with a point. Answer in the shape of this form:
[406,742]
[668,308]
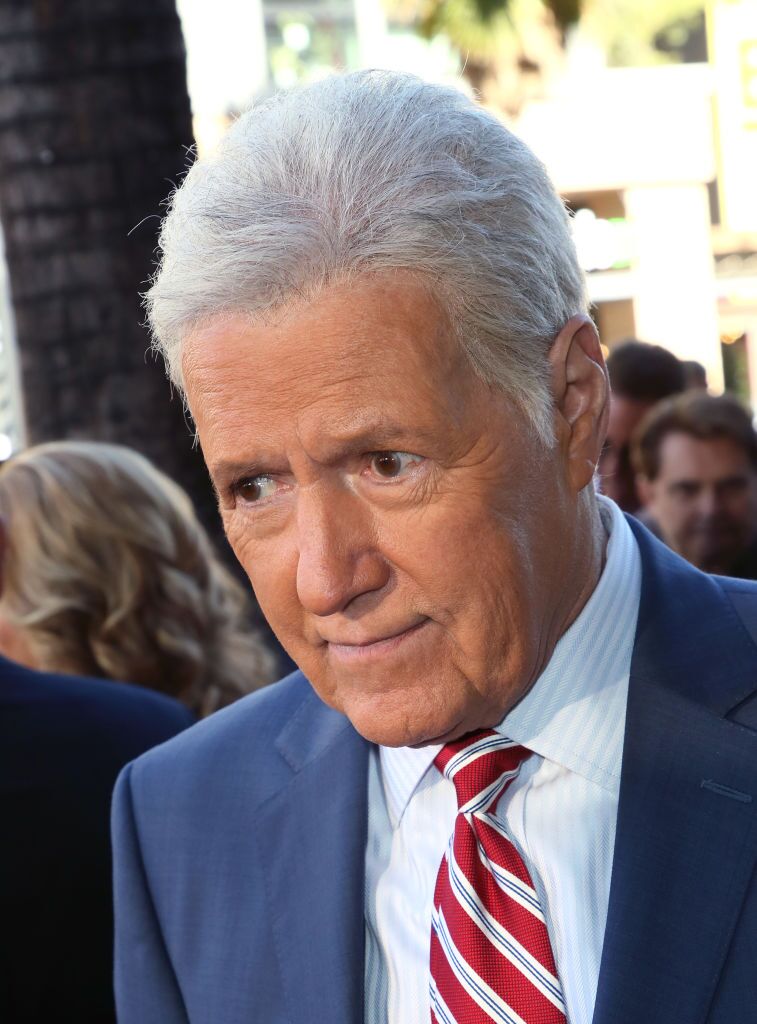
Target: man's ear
[581,390]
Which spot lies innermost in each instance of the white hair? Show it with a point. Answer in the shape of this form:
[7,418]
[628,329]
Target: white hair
[370,172]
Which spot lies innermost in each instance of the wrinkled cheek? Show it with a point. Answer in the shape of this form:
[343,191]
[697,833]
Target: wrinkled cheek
[277,598]
[275,592]
[488,637]
[236,537]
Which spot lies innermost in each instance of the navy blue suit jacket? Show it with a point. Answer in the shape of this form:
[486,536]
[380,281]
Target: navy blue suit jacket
[240,845]
[63,741]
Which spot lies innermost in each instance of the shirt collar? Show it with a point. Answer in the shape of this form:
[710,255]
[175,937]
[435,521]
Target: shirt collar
[574,714]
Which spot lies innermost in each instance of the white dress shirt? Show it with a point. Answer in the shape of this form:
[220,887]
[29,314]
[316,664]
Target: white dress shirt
[561,811]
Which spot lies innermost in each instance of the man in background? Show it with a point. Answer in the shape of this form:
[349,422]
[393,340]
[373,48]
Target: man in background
[63,740]
[640,375]
[696,459]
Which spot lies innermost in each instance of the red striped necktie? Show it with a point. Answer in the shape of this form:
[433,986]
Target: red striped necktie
[491,958]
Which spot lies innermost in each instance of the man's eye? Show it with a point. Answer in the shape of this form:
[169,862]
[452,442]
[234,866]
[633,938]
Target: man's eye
[390,465]
[254,488]
[686,489]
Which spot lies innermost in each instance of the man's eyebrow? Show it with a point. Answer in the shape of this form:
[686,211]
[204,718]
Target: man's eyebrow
[340,442]
[226,469]
[733,478]
[370,436]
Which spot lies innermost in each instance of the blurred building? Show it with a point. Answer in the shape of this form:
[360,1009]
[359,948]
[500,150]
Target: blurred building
[660,165]
[241,51]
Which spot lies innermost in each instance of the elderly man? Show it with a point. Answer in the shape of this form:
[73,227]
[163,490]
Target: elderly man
[514,779]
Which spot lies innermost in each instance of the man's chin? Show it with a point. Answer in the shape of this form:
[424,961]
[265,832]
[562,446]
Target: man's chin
[388,723]
[417,704]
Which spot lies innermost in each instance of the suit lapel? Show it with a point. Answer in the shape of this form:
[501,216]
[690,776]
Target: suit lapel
[312,846]
[687,829]
[683,859]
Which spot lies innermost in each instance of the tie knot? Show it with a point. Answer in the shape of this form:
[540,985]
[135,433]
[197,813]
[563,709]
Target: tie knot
[481,765]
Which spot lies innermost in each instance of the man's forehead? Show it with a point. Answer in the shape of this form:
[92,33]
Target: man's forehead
[348,345]
[357,383]
[684,455]
[367,314]
[311,387]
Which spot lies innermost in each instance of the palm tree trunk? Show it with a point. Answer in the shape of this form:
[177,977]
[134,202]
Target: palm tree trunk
[95,125]
[95,130]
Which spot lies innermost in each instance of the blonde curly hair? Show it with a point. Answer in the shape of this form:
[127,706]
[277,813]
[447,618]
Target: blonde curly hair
[108,572]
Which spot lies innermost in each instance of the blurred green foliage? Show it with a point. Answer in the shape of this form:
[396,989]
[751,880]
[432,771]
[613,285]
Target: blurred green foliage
[630,32]
[487,29]
[637,33]
[565,12]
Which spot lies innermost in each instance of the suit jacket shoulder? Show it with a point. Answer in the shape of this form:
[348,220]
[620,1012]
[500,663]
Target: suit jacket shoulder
[682,917]
[742,595]
[239,867]
[696,634]
[249,748]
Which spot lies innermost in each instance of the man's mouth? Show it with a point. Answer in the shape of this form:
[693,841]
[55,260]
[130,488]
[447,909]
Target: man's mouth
[380,646]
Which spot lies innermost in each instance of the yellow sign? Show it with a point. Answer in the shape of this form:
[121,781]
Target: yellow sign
[732,39]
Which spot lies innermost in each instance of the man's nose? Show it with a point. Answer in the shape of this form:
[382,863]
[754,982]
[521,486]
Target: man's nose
[337,557]
[709,503]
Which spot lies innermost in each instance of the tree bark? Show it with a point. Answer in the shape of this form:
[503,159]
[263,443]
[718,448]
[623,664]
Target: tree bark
[95,128]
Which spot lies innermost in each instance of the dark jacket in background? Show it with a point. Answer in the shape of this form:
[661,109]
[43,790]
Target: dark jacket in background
[63,741]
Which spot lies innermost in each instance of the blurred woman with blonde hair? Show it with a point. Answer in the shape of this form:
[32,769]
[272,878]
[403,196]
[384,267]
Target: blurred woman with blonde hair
[106,571]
